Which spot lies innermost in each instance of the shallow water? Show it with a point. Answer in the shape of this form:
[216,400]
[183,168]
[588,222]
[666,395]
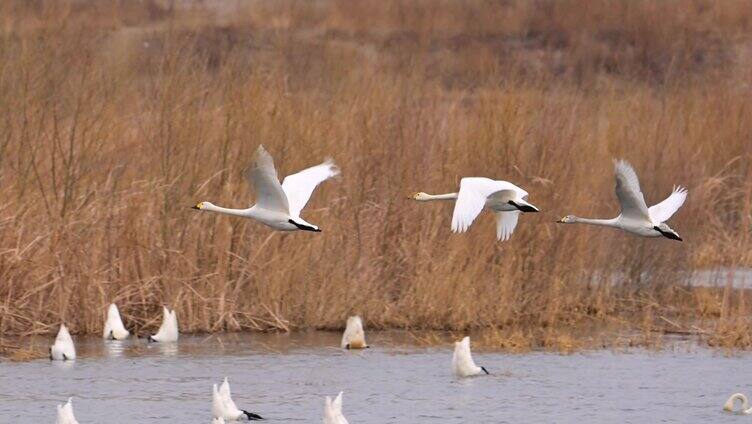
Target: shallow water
[285,377]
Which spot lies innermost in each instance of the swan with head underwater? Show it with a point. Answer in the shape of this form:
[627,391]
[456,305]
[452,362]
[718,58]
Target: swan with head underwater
[224,407]
[278,205]
[462,360]
[113,327]
[168,331]
[63,348]
[65,413]
[333,410]
[503,198]
[354,337]
[729,405]
[635,216]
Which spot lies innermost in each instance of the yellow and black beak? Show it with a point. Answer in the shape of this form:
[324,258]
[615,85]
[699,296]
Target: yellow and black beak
[196,206]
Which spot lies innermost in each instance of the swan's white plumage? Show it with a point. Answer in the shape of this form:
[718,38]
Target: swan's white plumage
[113,327]
[506,222]
[168,331]
[65,413]
[333,411]
[223,405]
[63,347]
[299,187]
[263,178]
[628,192]
[636,217]
[661,212]
[462,360]
[278,205]
[218,420]
[729,405]
[354,337]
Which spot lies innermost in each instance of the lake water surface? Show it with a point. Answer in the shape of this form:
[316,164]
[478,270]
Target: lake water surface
[285,377]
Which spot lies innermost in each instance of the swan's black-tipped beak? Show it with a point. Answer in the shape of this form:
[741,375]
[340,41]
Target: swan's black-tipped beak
[558,221]
[195,207]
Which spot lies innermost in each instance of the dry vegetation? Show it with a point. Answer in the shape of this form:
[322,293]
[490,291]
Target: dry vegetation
[118,115]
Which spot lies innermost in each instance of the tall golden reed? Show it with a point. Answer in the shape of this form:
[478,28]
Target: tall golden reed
[118,116]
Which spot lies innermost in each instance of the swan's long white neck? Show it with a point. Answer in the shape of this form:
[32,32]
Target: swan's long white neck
[602,222]
[228,211]
[745,409]
[430,197]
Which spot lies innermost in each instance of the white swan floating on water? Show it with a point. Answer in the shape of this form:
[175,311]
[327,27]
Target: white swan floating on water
[278,205]
[224,407]
[333,411]
[636,217]
[462,361]
[354,337]
[65,413]
[63,348]
[113,327]
[729,405]
[168,331]
[503,198]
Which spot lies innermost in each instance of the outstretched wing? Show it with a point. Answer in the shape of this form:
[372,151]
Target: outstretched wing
[505,224]
[472,198]
[661,212]
[299,187]
[631,200]
[263,177]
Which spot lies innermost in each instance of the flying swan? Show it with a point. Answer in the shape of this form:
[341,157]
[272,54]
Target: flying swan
[113,327]
[65,413]
[168,331]
[503,198]
[333,411]
[729,405]
[354,337]
[635,216]
[278,205]
[63,348]
[462,361]
[224,407]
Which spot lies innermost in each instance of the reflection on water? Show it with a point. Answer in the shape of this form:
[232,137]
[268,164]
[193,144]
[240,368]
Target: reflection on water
[286,376]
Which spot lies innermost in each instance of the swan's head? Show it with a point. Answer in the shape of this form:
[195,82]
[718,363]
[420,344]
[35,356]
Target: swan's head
[419,196]
[569,219]
[201,205]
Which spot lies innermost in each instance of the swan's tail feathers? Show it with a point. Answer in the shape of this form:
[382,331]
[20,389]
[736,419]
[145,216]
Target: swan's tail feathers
[253,417]
[485,370]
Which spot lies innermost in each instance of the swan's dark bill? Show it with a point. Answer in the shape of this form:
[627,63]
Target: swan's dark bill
[304,227]
[251,416]
[195,207]
[672,236]
[485,370]
[523,208]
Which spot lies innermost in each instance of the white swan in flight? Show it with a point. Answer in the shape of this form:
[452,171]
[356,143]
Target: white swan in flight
[113,327]
[278,205]
[729,405]
[63,348]
[333,411]
[65,413]
[354,337]
[223,406]
[635,216]
[503,198]
[462,361]
[168,331]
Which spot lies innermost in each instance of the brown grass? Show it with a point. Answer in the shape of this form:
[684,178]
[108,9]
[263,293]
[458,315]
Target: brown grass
[119,115]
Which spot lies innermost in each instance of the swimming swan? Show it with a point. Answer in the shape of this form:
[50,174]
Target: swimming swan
[223,406]
[333,411]
[65,413]
[636,217]
[168,331]
[462,361]
[503,198]
[278,205]
[113,327]
[729,405]
[63,347]
[354,337]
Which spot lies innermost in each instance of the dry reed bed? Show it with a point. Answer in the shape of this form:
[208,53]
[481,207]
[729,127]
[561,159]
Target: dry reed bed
[118,117]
